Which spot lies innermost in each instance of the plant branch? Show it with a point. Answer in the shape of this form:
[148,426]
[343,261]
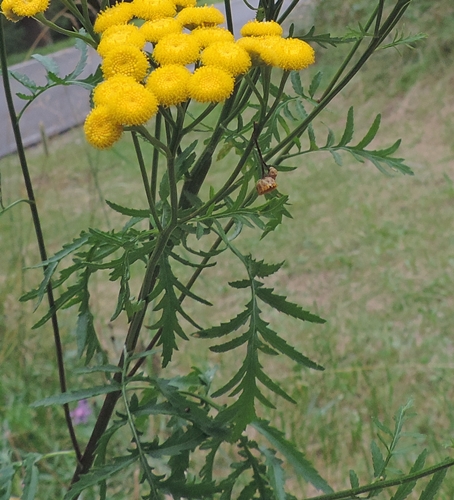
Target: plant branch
[39,235]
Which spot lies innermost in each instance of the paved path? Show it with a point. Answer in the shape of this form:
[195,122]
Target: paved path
[60,108]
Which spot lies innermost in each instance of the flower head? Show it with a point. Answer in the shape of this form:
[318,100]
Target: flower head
[289,54]
[213,34]
[153,9]
[193,17]
[134,105]
[228,56]
[170,84]
[181,4]
[210,84]
[15,9]
[153,31]
[261,28]
[120,13]
[107,91]
[126,34]
[125,60]
[179,48]
[101,129]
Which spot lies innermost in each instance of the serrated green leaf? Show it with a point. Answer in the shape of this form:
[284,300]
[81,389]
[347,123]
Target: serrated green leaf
[82,47]
[315,84]
[275,473]
[225,328]
[49,63]
[240,284]
[347,136]
[131,212]
[330,139]
[261,269]
[31,477]
[371,133]
[337,157]
[405,489]
[71,396]
[311,134]
[272,386]
[295,78]
[378,461]
[302,466]
[434,485]
[25,81]
[382,427]
[354,481]
[232,344]
[281,303]
[99,474]
[281,345]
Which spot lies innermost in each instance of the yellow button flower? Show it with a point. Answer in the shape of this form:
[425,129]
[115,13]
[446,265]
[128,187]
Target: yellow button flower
[228,56]
[101,129]
[181,4]
[125,60]
[134,105]
[120,13]
[105,92]
[207,36]
[177,49]
[193,17]
[153,9]
[261,28]
[210,84]
[15,9]
[153,31]
[170,84]
[126,34]
[289,54]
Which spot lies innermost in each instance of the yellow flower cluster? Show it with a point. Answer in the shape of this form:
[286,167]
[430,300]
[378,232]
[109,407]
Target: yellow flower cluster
[146,46]
[15,10]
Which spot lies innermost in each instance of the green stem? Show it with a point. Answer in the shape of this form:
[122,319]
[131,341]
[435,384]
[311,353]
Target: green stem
[155,161]
[349,57]
[199,118]
[143,459]
[70,34]
[39,235]
[228,15]
[145,181]
[284,146]
[132,336]
[380,485]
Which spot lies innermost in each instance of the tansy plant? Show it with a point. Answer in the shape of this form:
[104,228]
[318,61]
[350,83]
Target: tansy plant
[171,71]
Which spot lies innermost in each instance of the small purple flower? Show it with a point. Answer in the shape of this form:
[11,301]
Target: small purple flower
[81,413]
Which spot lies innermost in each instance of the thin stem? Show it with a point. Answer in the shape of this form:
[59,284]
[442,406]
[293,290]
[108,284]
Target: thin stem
[380,485]
[39,235]
[228,15]
[284,146]
[70,34]
[145,466]
[349,57]
[132,336]
[146,185]
[199,118]
[155,161]
[380,6]
[183,295]
[288,11]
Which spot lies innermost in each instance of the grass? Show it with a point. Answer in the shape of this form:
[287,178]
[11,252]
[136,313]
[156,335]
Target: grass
[371,254]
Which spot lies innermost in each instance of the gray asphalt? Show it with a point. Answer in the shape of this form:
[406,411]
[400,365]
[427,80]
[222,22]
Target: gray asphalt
[63,107]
